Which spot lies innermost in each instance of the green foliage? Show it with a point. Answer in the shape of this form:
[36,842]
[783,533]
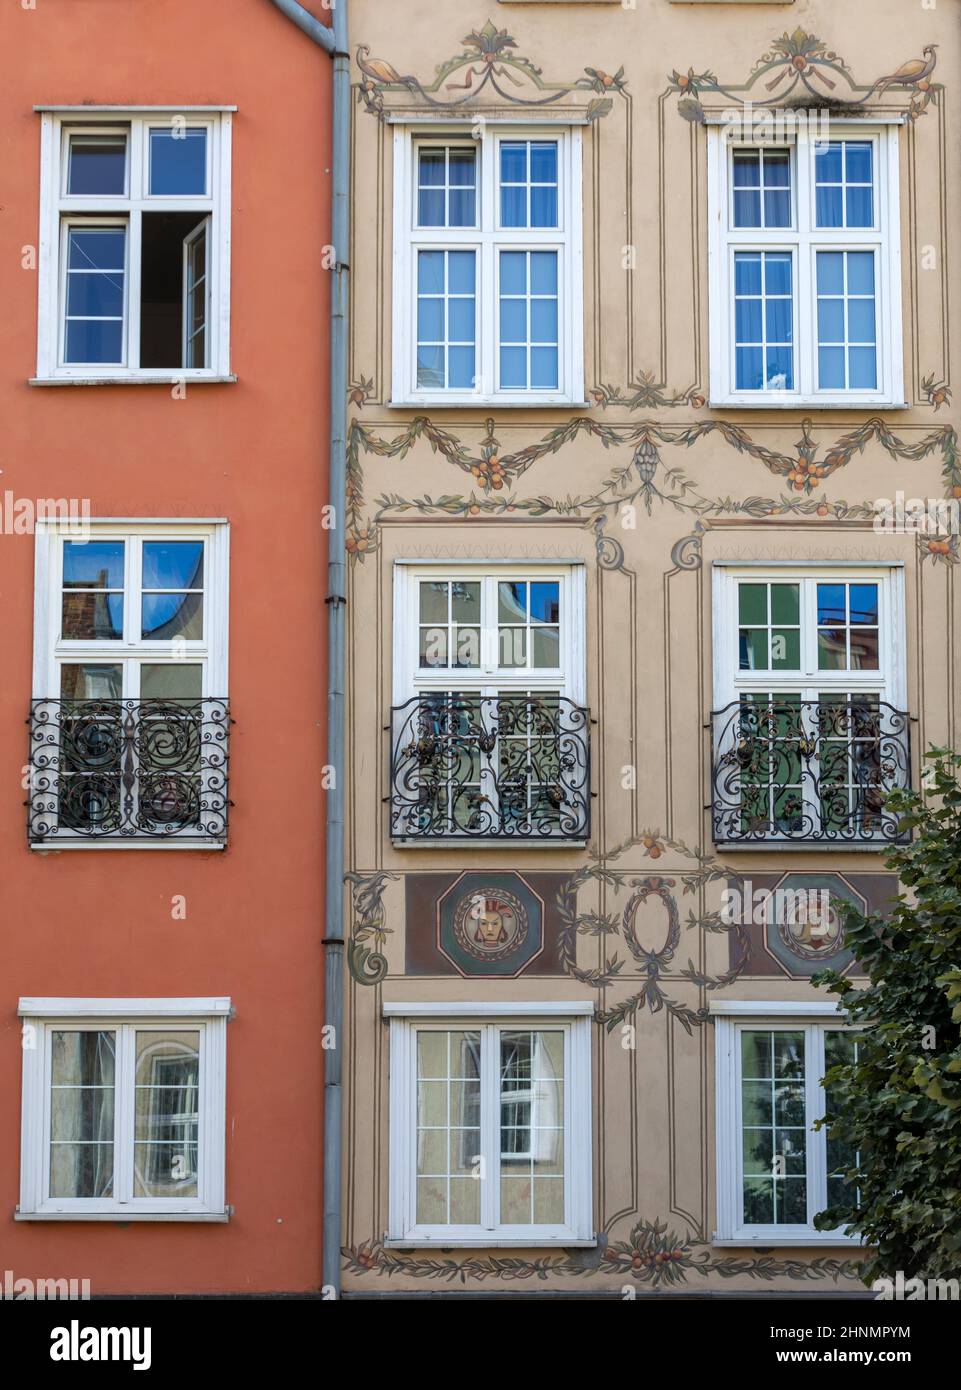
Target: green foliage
[898,1106]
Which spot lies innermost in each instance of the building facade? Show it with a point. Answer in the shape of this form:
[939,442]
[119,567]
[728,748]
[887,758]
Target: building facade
[163,378]
[653,481]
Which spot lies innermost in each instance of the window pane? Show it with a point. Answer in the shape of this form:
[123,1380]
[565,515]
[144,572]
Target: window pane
[166,616]
[178,161]
[83,681]
[777,169]
[830,207]
[448,1127]
[430,272]
[544,272]
[461,272]
[94,341]
[777,208]
[747,168]
[430,207]
[432,168]
[97,165]
[462,207]
[763,321]
[752,603]
[545,601]
[532,1127]
[91,617]
[785,603]
[513,162]
[747,207]
[747,273]
[97,248]
[513,272]
[830,272]
[544,369]
[860,272]
[859,207]
[82,1079]
[832,603]
[94,296]
[173,564]
[168,681]
[513,320]
[512,602]
[543,207]
[166,1114]
[544,162]
[465,601]
[513,207]
[863,600]
[774,1133]
[93,564]
[863,369]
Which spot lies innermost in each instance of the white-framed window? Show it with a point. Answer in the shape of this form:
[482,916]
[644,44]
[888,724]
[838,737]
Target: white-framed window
[488,266]
[489,675]
[775,1172]
[129,716]
[123,1113]
[490,1124]
[134,267]
[809,721]
[805,269]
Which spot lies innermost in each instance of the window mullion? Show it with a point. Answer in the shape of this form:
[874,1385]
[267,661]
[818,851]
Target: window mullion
[124,1114]
[490,1129]
[814,1108]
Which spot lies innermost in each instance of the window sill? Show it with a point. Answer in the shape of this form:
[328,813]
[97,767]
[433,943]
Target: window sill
[135,379]
[49,846]
[488,1242]
[121,1217]
[486,402]
[807,403]
[496,842]
[768,1242]
[804,846]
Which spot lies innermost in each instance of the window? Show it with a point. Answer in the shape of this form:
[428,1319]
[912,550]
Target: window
[805,269]
[123,1109]
[490,737]
[135,237]
[130,720]
[809,723]
[490,1138]
[775,1171]
[487,267]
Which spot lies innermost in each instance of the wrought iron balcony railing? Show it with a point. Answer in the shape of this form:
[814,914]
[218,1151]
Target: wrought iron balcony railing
[128,769]
[508,766]
[787,770]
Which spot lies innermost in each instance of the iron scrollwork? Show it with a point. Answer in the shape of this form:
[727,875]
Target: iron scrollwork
[508,766]
[102,769]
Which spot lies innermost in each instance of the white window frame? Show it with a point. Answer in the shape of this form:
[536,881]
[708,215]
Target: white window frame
[51,651]
[43,1016]
[574,1017]
[569,679]
[60,210]
[731,1018]
[487,239]
[803,240]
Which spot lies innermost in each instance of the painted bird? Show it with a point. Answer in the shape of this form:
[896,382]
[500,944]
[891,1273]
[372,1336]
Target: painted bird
[914,73]
[379,71]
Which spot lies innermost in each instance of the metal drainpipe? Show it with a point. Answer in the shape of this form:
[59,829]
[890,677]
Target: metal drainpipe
[334,40]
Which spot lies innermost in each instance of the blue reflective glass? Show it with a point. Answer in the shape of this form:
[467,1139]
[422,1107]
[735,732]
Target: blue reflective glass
[513,272]
[543,320]
[513,367]
[831,368]
[462,207]
[747,208]
[747,169]
[513,163]
[860,207]
[863,599]
[778,320]
[777,273]
[830,272]
[749,368]
[430,272]
[460,272]
[544,368]
[860,272]
[430,320]
[96,248]
[830,207]
[544,163]
[831,320]
[747,273]
[513,320]
[97,164]
[863,368]
[94,340]
[543,272]
[460,367]
[545,602]
[747,320]
[178,161]
[832,604]
[97,295]
[543,207]
[777,208]
[430,207]
[858,162]
[861,323]
[93,564]
[430,367]
[460,320]
[514,206]
[462,166]
[164,616]
[827,163]
[432,168]
[780,369]
[173,565]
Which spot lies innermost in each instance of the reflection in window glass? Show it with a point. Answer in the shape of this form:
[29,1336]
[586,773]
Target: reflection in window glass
[97,165]
[82,1082]
[773,1127]
[166,1114]
[178,161]
[764,320]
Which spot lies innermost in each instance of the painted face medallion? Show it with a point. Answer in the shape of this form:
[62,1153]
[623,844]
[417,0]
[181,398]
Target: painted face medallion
[490,924]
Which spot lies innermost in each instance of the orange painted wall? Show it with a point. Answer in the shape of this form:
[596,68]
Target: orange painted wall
[255,452]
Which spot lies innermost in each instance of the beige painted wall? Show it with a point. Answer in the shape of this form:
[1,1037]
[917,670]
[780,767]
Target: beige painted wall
[721,491]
